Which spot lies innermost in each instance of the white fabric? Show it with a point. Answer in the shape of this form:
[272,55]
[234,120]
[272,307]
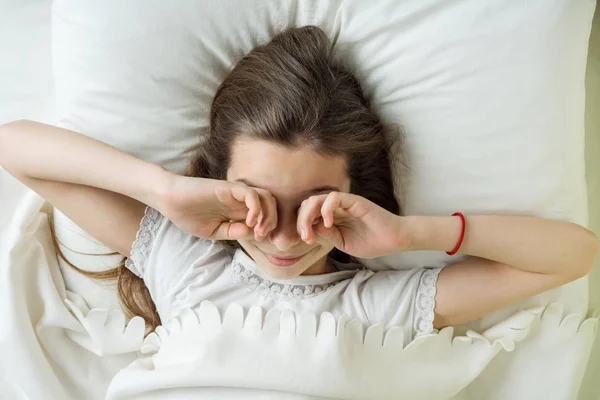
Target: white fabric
[38,359]
[181,271]
[490,94]
[247,355]
[26,85]
[319,357]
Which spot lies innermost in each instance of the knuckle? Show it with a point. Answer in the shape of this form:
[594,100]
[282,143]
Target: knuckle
[313,200]
[238,186]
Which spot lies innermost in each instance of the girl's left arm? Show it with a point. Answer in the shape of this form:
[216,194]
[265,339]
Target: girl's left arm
[515,257]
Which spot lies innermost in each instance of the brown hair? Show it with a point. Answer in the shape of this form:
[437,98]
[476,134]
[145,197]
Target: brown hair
[132,292]
[293,91]
[290,91]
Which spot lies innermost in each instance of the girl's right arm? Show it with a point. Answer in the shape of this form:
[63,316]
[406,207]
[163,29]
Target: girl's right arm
[105,190]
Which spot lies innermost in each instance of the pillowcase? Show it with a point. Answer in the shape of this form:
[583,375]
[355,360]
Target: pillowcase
[26,89]
[490,95]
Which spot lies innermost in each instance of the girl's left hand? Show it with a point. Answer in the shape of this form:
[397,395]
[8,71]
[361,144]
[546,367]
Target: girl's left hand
[353,224]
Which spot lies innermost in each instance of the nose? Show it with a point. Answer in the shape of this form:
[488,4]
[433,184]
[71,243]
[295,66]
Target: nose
[285,236]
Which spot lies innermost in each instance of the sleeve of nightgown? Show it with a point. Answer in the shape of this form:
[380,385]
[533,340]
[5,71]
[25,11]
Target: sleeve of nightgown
[162,254]
[403,298]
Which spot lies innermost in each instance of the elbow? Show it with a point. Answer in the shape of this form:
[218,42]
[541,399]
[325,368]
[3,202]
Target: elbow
[7,133]
[10,126]
[6,130]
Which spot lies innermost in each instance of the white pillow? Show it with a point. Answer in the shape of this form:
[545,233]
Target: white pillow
[26,89]
[490,93]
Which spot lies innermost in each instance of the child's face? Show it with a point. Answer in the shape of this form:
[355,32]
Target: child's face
[291,175]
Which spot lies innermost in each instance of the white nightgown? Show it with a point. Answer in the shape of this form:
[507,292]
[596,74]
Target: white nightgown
[181,270]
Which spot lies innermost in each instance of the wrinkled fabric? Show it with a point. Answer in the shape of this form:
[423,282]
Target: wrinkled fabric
[50,335]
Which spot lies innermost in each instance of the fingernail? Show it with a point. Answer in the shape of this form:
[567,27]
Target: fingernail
[303,234]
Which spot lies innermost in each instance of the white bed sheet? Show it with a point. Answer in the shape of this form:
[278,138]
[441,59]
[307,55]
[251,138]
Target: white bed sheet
[50,335]
[50,350]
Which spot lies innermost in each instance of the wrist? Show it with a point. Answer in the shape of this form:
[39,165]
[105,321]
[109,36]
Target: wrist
[160,187]
[439,233]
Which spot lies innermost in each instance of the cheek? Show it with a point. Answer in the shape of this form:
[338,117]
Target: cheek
[326,246]
[251,245]
[246,245]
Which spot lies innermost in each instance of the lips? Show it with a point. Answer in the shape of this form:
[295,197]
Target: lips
[283,261]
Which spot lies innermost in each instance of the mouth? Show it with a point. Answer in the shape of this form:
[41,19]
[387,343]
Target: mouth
[282,261]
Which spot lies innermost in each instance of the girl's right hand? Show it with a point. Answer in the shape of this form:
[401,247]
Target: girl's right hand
[217,209]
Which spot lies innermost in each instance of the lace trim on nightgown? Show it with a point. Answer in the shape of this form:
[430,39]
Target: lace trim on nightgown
[275,290]
[425,303]
[144,239]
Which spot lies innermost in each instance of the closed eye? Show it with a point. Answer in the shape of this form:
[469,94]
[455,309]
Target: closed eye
[304,194]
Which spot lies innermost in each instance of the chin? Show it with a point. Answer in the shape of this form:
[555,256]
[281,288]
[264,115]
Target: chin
[284,272]
[279,273]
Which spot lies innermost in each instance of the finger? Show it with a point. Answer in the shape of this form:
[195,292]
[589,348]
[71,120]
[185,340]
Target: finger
[237,230]
[336,202]
[329,206]
[269,212]
[332,235]
[237,214]
[309,211]
[231,231]
[274,217]
[250,197]
[264,215]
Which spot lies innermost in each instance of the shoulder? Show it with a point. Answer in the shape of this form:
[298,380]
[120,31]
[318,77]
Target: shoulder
[393,282]
[159,242]
[398,298]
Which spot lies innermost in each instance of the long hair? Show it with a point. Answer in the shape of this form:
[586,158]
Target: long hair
[132,293]
[290,91]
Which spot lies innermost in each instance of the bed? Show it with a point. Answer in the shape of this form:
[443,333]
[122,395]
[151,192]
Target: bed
[490,97]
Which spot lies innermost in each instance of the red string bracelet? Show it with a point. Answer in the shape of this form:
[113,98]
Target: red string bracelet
[462,234]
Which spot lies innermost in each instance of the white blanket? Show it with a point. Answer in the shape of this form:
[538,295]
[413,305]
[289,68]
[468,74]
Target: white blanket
[50,350]
[53,347]
[38,358]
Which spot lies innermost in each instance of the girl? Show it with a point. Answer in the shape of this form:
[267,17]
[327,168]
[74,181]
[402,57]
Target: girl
[293,182]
